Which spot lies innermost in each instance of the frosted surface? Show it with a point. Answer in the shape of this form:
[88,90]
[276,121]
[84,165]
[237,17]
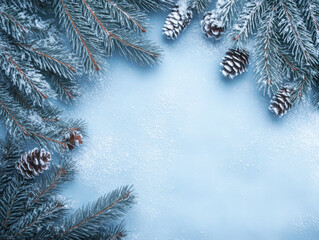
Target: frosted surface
[207,159]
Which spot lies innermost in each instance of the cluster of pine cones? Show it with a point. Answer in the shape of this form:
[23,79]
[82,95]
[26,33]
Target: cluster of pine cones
[236,60]
[180,17]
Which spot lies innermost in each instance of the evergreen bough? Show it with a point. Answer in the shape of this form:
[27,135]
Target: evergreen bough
[34,209]
[37,65]
[285,34]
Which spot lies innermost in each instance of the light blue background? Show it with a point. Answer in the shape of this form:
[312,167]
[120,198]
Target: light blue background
[206,157]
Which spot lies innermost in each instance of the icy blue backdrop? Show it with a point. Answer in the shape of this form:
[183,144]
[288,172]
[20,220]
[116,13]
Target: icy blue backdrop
[207,159]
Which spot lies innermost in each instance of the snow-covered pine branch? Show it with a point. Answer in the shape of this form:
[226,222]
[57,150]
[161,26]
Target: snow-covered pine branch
[83,223]
[310,13]
[295,34]
[70,15]
[227,10]
[32,208]
[249,19]
[127,15]
[152,5]
[199,6]
[286,54]
[103,27]
[266,57]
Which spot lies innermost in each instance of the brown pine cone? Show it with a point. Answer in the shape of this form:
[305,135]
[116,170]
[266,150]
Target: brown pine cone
[235,62]
[212,26]
[281,103]
[73,139]
[33,163]
[177,20]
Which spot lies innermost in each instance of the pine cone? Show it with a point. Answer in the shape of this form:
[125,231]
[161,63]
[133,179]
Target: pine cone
[73,139]
[177,21]
[212,26]
[33,163]
[281,102]
[235,62]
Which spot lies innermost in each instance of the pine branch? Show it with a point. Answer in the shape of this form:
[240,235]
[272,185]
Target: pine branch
[49,63]
[12,204]
[34,221]
[310,13]
[126,14]
[132,50]
[152,5]
[84,222]
[297,35]
[288,63]
[199,5]
[116,232]
[16,72]
[9,24]
[81,41]
[267,58]
[31,209]
[6,112]
[9,153]
[45,133]
[52,182]
[227,10]
[66,88]
[248,20]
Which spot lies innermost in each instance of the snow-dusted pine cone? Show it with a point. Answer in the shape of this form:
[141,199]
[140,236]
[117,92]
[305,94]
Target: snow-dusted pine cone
[212,26]
[235,62]
[73,139]
[178,19]
[34,162]
[281,102]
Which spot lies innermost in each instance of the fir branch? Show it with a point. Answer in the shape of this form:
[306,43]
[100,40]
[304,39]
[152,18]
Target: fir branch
[22,99]
[310,12]
[249,19]
[152,5]
[49,63]
[8,114]
[52,182]
[37,219]
[132,50]
[12,203]
[116,232]
[9,153]
[199,5]
[66,88]
[18,71]
[227,10]
[284,58]
[31,209]
[267,57]
[84,222]
[9,24]
[297,37]
[80,43]
[126,14]
[41,139]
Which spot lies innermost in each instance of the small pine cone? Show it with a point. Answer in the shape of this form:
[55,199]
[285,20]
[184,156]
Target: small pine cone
[73,139]
[281,103]
[212,26]
[33,163]
[235,62]
[177,21]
